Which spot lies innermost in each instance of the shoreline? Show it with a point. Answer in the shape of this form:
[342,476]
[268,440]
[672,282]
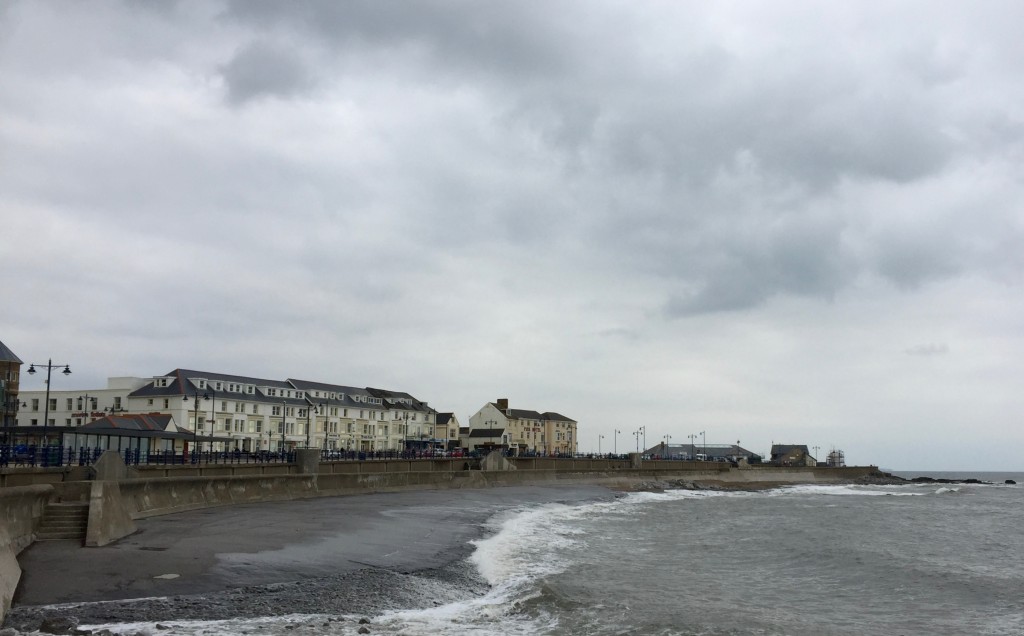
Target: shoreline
[359,555]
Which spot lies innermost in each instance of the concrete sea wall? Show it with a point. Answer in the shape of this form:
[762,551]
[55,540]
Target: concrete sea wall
[22,508]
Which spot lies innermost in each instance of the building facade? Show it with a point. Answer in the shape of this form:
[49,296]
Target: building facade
[228,412]
[526,431]
[10,375]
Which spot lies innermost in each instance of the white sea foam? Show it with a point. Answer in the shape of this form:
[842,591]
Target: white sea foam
[845,490]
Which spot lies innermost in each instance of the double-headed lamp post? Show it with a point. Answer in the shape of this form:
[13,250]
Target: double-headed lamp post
[50,366]
[213,413]
[195,423]
[319,407]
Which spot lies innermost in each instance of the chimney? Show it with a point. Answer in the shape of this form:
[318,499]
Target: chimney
[502,404]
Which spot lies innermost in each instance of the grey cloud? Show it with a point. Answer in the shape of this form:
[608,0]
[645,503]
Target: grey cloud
[929,349]
[502,38]
[263,69]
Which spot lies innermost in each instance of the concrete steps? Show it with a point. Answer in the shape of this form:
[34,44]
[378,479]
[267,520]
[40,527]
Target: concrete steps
[63,521]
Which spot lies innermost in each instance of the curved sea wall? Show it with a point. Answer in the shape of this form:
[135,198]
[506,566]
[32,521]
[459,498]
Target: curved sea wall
[23,507]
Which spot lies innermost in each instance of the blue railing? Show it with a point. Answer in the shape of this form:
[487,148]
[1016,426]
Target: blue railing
[57,456]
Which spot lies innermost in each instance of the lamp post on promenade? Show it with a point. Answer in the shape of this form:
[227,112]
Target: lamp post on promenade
[284,422]
[705,440]
[309,407]
[644,430]
[50,366]
[195,423]
[599,438]
[636,434]
[667,438]
[615,442]
[693,449]
[85,407]
[213,412]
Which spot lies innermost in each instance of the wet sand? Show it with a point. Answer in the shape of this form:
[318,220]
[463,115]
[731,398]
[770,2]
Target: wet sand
[344,555]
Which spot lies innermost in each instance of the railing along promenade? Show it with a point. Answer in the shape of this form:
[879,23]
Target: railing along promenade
[58,456]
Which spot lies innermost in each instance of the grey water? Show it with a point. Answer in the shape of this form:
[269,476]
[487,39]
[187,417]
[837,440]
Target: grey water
[821,559]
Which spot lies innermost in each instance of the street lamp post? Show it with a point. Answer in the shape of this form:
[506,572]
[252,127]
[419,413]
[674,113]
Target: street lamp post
[636,434]
[213,413]
[85,408]
[195,423]
[599,438]
[644,430]
[705,440]
[693,449]
[309,407]
[50,366]
[615,442]
[284,422]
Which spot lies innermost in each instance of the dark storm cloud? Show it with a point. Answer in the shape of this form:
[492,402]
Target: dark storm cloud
[265,69]
[450,37]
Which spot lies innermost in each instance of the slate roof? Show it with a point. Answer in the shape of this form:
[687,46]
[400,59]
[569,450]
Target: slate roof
[779,450]
[713,450]
[6,355]
[487,432]
[132,421]
[444,418]
[526,414]
[136,425]
[180,385]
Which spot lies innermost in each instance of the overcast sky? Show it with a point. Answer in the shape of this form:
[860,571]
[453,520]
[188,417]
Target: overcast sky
[773,222]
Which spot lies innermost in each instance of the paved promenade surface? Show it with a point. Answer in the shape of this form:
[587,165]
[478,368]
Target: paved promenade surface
[217,549]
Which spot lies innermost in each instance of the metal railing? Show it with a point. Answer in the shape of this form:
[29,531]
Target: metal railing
[58,456]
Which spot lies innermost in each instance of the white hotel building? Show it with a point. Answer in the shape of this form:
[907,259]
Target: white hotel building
[251,414]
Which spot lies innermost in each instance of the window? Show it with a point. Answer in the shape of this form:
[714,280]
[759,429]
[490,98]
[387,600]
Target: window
[167,403]
[255,409]
[272,392]
[223,406]
[117,402]
[69,404]
[275,410]
[53,404]
[149,401]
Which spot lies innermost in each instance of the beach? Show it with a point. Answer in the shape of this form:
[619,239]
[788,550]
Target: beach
[351,555]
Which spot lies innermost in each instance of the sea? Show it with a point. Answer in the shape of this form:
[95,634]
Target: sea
[914,559]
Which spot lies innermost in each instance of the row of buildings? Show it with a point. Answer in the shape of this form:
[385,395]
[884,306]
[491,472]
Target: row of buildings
[187,408]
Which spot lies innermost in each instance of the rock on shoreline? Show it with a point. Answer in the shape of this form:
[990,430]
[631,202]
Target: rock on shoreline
[367,592]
